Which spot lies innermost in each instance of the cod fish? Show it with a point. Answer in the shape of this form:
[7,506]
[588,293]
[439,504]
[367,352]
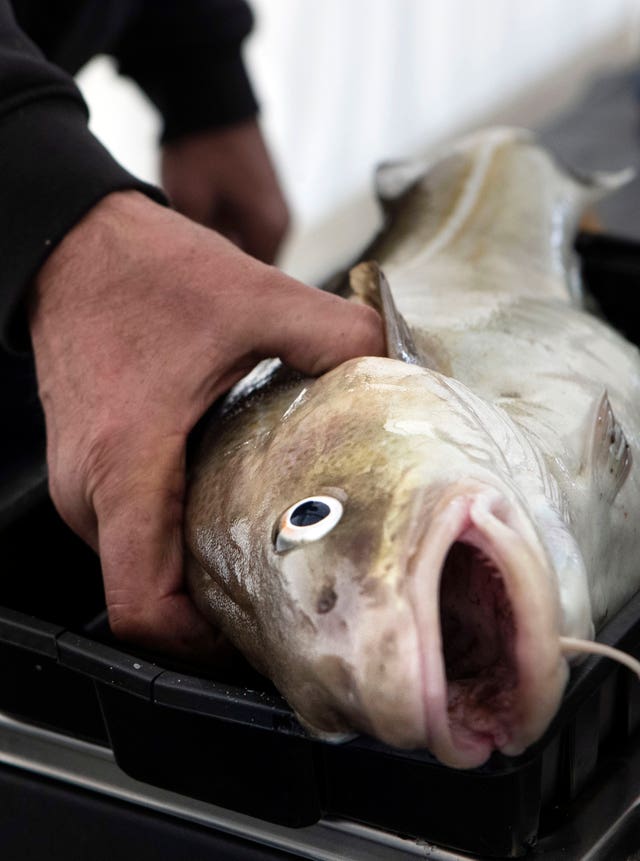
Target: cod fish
[412,546]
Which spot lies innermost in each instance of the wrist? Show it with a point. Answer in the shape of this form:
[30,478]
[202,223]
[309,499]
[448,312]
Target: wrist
[84,252]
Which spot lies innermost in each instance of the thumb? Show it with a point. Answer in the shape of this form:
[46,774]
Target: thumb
[311,330]
[139,508]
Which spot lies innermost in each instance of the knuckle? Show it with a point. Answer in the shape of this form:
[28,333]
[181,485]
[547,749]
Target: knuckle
[83,469]
[63,498]
[101,462]
[67,489]
[98,458]
[131,469]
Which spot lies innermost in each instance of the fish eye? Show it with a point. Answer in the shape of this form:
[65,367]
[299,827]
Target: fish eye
[308,520]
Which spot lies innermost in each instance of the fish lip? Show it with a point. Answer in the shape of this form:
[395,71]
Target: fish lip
[484,517]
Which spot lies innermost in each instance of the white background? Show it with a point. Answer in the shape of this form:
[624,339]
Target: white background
[344,84]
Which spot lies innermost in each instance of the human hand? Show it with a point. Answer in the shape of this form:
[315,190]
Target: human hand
[140,319]
[224,179]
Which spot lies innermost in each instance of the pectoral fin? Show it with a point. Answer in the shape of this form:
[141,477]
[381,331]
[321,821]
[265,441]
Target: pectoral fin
[369,284]
[610,456]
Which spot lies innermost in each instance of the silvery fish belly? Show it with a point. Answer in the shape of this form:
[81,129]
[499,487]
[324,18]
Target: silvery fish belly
[402,544]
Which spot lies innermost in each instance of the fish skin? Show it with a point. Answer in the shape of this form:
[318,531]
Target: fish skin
[501,442]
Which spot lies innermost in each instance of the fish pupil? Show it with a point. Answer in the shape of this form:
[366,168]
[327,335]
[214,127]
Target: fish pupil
[309,512]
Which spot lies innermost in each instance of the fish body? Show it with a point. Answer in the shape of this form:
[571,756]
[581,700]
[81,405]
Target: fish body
[401,543]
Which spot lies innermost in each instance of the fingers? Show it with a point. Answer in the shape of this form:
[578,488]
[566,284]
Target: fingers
[311,330]
[136,490]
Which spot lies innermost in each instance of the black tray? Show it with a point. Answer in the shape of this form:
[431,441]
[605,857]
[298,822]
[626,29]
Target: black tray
[234,742]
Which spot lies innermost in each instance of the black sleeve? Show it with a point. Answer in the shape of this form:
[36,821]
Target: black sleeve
[186,55]
[52,169]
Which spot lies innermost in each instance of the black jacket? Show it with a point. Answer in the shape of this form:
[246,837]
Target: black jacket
[185,54]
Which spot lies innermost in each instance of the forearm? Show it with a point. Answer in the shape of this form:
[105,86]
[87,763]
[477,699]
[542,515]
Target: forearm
[186,55]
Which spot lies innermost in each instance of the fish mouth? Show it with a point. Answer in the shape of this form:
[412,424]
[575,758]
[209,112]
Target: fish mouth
[487,620]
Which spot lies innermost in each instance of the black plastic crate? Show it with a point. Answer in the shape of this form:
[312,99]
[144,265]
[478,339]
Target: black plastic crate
[233,741]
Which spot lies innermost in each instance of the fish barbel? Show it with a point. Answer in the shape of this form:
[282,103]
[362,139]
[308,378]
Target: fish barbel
[402,543]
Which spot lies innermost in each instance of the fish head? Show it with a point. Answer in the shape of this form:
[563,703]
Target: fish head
[370,551]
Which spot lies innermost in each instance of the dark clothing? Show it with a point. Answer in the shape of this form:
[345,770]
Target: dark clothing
[185,54]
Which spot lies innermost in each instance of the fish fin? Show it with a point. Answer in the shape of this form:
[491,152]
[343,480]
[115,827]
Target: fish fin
[610,455]
[364,284]
[394,179]
[598,183]
[370,285]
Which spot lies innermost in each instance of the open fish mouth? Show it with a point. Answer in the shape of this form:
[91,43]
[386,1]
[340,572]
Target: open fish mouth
[478,632]
[492,671]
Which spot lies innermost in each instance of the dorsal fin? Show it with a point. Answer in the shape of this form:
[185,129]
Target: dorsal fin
[394,179]
[609,455]
[369,284]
